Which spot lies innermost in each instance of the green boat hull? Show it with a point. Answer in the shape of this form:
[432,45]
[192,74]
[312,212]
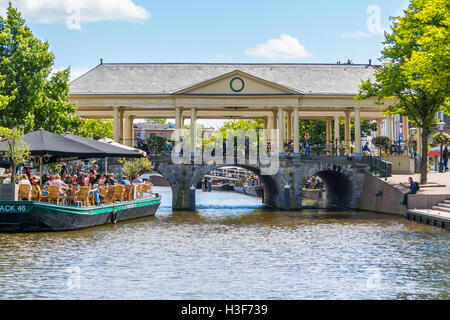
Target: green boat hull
[29,216]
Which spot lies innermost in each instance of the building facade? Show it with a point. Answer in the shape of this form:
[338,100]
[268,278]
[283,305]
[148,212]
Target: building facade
[280,94]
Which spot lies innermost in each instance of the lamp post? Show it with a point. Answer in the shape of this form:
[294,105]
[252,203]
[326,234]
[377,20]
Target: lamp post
[440,127]
[412,133]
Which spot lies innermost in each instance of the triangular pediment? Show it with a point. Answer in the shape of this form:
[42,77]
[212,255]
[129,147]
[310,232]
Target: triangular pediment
[237,83]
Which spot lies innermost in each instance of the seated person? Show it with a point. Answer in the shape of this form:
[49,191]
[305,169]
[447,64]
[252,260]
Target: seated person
[24,180]
[61,185]
[68,181]
[138,180]
[108,181]
[97,180]
[34,180]
[47,184]
[113,178]
[7,179]
[83,180]
[125,181]
[414,187]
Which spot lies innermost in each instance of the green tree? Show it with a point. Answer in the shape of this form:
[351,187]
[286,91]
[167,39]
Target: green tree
[156,144]
[35,98]
[16,149]
[132,168]
[96,129]
[415,74]
[156,121]
[242,124]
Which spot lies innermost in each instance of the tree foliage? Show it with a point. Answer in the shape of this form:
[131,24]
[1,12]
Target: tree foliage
[415,74]
[16,149]
[156,121]
[96,129]
[156,144]
[382,143]
[31,96]
[131,168]
[440,138]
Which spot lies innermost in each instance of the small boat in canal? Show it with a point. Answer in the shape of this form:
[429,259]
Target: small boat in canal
[31,216]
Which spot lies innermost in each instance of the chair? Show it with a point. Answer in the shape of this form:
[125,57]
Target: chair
[103,193]
[36,193]
[128,193]
[110,194]
[24,192]
[72,195]
[54,196]
[146,188]
[39,196]
[83,196]
[138,191]
[120,193]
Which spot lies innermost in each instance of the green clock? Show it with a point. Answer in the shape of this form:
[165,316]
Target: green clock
[237,84]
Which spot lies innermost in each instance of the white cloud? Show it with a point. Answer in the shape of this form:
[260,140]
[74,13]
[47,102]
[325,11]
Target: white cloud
[357,34]
[50,11]
[284,48]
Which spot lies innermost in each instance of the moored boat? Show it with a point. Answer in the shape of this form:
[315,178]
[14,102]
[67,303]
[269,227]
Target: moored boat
[31,216]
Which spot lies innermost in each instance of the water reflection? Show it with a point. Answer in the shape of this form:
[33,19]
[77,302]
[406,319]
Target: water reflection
[231,248]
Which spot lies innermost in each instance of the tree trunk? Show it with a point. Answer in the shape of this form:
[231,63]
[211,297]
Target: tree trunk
[13,174]
[424,162]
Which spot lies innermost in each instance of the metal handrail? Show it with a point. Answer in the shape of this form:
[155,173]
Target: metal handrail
[378,166]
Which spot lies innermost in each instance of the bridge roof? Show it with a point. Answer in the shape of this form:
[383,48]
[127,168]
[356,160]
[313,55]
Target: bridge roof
[167,78]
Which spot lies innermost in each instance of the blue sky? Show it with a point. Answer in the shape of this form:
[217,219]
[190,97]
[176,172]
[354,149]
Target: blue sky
[209,31]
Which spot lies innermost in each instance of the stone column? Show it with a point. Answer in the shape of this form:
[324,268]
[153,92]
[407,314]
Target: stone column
[358,131]
[336,129]
[275,119]
[121,119]
[178,125]
[348,136]
[379,127]
[116,124]
[281,131]
[131,120]
[126,131]
[390,125]
[269,120]
[405,129]
[296,133]
[193,130]
[289,125]
[328,135]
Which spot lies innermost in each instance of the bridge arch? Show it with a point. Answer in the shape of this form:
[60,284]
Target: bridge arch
[270,185]
[182,177]
[339,183]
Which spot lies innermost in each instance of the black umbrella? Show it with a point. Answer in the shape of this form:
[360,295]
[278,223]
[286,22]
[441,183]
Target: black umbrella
[109,150]
[51,147]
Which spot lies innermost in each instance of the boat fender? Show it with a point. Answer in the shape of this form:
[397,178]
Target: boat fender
[114,217]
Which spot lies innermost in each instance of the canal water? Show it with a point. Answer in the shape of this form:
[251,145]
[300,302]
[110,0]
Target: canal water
[231,248]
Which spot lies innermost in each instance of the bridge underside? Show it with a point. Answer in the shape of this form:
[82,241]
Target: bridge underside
[343,179]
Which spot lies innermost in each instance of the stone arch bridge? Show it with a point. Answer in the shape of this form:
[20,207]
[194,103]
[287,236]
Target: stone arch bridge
[343,178]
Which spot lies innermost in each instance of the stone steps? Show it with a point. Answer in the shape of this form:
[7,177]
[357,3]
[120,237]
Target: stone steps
[439,208]
[444,205]
[447,201]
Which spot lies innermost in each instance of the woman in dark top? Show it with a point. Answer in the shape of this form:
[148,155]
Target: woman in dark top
[445,158]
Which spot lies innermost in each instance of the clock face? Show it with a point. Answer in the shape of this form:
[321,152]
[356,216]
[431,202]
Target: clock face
[237,84]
